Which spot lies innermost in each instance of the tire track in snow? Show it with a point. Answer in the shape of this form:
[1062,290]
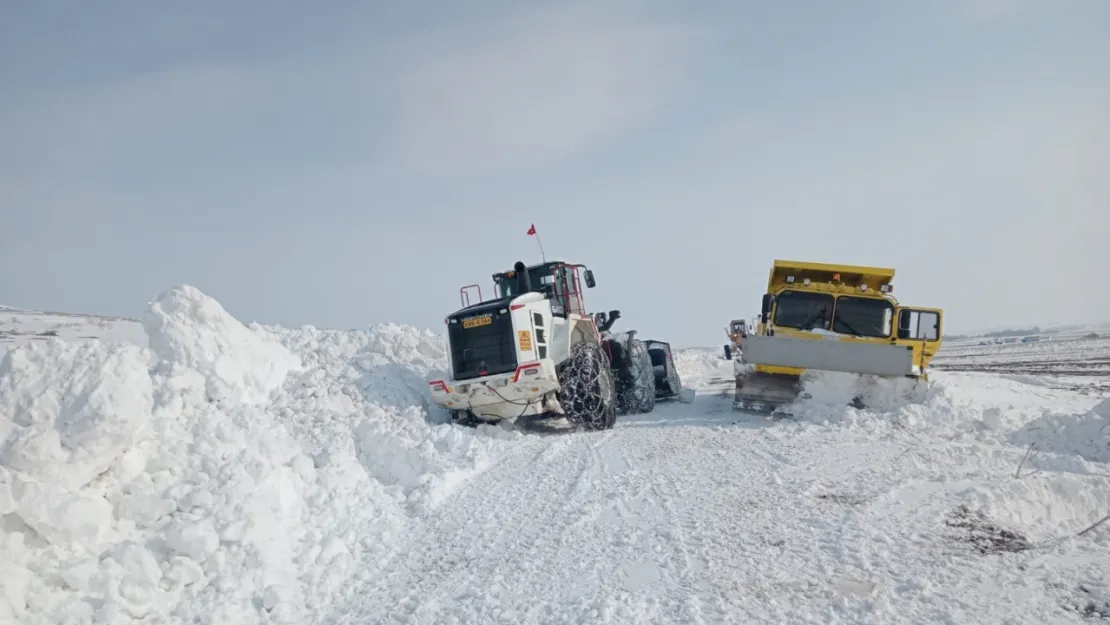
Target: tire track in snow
[680,542]
[436,550]
[700,602]
[502,534]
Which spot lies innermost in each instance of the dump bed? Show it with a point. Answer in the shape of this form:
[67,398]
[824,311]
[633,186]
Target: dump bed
[849,275]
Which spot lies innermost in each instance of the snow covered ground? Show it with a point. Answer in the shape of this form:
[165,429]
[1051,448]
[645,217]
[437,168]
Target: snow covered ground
[1078,362]
[190,468]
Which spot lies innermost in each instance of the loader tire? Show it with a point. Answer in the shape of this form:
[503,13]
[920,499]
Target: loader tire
[640,398]
[586,388]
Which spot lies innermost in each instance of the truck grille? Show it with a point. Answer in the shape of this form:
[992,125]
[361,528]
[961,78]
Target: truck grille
[484,349]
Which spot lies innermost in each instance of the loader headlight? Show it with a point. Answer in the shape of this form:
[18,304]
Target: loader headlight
[790,279]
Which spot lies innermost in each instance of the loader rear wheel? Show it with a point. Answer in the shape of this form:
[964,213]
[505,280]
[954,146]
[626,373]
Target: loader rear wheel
[639,398]
[586,388]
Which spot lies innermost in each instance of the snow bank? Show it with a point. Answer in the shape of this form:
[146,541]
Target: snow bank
[68,410]
[371,387]
[960,407]
[997,423]
[227,474]
[1042,506]
[193,332]
[827,397]
[1086,435]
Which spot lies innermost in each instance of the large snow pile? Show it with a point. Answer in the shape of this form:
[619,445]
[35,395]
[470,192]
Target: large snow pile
[193,333]
[226,474]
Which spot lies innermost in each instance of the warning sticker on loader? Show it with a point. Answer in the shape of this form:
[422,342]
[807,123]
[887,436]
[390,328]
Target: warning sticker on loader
[525,340]
[475,322]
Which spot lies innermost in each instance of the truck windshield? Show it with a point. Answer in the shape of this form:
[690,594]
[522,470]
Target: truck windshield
[863,316]
[803,311]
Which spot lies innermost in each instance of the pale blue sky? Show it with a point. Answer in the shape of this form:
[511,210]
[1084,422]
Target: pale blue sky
[345,163]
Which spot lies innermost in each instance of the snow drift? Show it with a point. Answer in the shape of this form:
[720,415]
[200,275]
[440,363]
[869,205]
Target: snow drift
[1061,487]
[997,410]
[1086,435]
[227,473]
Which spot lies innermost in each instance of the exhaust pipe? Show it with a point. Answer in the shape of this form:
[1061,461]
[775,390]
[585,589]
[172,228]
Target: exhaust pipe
[523,280]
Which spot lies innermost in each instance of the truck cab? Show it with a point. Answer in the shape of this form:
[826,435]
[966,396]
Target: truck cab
[845,303]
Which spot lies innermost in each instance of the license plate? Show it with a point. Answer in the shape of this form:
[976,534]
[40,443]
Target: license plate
[475,322]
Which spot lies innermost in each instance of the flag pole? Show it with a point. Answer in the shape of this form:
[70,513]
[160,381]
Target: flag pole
[543,257]
[532,232]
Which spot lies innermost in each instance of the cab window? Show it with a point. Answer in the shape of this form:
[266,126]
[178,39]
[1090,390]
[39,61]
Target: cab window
[863,316]
[919,325]
[803,311]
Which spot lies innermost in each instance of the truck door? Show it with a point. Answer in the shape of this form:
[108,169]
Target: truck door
[921,324]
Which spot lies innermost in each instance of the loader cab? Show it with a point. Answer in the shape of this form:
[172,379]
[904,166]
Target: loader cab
[560,282]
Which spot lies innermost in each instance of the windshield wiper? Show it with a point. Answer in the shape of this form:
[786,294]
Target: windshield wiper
[808,325]
[844,323]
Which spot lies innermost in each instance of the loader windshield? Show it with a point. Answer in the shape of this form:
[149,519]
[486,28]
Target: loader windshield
[863,316]
[541,277]
[803,311]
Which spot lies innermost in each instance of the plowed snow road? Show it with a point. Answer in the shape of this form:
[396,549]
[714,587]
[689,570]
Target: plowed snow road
[712,518]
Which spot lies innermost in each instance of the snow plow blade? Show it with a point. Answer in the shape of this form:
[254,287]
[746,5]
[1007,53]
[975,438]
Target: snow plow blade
[829,355]
[764,393]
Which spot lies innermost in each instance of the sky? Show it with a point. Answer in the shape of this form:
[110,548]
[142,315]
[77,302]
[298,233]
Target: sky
[343,163]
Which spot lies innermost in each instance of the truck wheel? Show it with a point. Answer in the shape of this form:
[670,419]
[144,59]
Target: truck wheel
[586,389]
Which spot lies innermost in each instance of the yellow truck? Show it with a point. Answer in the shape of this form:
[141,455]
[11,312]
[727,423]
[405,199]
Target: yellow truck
[831,317]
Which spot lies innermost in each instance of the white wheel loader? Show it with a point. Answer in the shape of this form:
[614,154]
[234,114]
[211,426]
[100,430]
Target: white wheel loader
[534,350]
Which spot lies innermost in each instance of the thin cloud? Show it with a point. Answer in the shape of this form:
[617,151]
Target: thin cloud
[991,10]
[532,87]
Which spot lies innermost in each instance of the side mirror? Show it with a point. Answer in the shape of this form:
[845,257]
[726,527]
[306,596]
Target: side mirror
[590,281]
[768,303]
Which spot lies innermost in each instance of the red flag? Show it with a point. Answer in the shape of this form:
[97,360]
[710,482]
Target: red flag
[532,230]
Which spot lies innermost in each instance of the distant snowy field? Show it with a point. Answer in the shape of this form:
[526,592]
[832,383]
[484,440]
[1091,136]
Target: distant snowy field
[19,326]
[186,468]
[1078,360]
